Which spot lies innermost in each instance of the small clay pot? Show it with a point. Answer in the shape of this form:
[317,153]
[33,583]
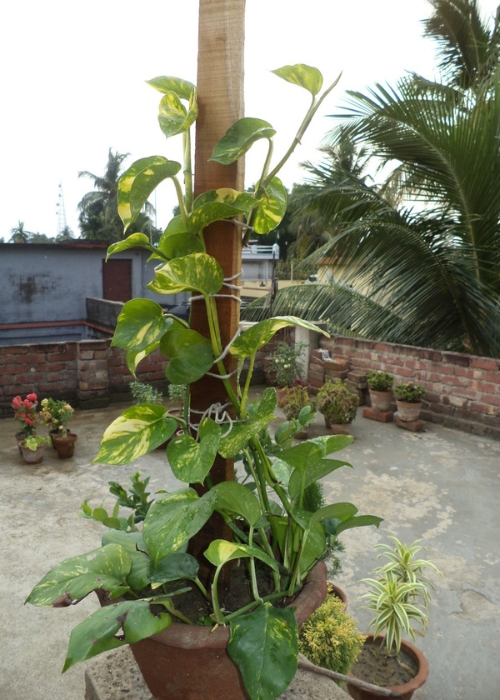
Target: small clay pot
[32,456]
[64,445]
[381,400]
[408,412]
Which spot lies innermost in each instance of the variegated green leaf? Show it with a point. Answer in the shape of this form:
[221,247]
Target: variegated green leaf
[133,357]
[261,333]
[271,208]
[173,117]
[236,499]
[74,578]
[264,646]
[242,201]
[221,551]
[113,626]
[139,430]
[141,323]
[241,433]
[179,244]
[133,544]
[239,138]
[209,212]
[167,83]
[191,461]
[304,76]
[171,521]
[137,183]
[197,272]
[135,240]
[190,355]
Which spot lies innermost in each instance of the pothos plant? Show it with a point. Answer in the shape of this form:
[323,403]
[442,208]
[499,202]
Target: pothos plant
[270,527]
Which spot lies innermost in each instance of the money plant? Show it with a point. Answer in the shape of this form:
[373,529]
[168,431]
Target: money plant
[271,530]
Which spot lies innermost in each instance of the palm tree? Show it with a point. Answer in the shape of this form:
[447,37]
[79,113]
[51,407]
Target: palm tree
[19,234]
[425,271]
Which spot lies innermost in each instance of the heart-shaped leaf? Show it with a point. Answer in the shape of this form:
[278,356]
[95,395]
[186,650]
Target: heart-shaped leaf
[176,566]
[197,272]
[133,357]
[133,544]
[264,646]
[261,333]
[236,499]
[271,208]
[76,577]
[137,183]
[190,355]
[173,117]
[221,551]
[113,626]
[304,76]
[139,430]
[207,213]
[241,433]
[239,138]
[140,324]
[313,472]
[135,240]
[167,83]
[191,461]
[339,511]
[172,520]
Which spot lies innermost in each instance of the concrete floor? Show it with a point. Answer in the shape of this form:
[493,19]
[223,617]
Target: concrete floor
[442,486]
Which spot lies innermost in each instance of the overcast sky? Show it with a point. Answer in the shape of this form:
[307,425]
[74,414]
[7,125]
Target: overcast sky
[72,82]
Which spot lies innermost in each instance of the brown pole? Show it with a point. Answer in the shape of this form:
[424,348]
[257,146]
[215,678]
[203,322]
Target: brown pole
[220,100]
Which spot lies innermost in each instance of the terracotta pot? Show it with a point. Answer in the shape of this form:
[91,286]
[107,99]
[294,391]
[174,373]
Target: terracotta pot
[339,593]
[64,446]
[338,428]
[407,689]
[187,662]
[32,456]
[408,412]
[281,393]
[381,400]
[19,438]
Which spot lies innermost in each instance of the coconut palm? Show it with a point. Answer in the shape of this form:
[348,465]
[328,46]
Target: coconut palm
[425,271]
[19,233]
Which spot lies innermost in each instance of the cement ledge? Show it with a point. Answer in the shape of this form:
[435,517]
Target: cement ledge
[115,675]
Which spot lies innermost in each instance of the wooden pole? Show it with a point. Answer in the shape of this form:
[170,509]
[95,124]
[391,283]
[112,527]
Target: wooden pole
[220,100]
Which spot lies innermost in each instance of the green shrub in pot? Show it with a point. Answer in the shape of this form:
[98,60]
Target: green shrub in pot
[337,403]
[379,381]
[271,529]
[410,392]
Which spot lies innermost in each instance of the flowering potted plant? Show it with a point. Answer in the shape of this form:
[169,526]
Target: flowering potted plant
[245,647]
[32,448]
[56,415]
[409,401]
[338,405]
[25,413]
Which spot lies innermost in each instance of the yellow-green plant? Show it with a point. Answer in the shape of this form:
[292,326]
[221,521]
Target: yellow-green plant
[329,638]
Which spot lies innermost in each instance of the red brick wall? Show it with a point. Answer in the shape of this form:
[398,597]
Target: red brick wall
[462,391]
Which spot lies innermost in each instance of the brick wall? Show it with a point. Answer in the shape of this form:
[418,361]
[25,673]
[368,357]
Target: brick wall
[462,391]
[87,373]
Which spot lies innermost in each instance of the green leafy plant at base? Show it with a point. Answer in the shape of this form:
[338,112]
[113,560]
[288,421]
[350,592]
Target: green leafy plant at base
[286,361]
[410,392]
[33,442]
[337,403]
[294,399]
[146,393]
[329,637]
[177,393]
[270,527]
[379,381]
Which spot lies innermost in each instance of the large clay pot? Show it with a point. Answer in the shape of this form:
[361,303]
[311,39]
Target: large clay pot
[406,689]
[191,663]
[408,412]
[64,446]
[381,400]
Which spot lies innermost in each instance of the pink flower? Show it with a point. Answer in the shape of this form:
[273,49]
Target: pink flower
[32,397]
[16,402]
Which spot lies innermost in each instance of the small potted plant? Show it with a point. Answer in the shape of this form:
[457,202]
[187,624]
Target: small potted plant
[398,597]
[56,415]
[329,638]
[286,365]
[146,393]
[25,413]
[32,448]
[409,401]
[379,386]
[338,405]
[295,398]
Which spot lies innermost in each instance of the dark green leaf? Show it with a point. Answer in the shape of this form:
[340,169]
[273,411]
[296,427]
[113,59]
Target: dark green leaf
[359,521]
[133,544]
[313,472]
[241,433]
[191,461]
[221,551]
[236,499]
[190,355]
[341,511]
[176,566]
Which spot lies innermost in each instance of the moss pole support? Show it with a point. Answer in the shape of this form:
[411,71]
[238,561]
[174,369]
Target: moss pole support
[220,100]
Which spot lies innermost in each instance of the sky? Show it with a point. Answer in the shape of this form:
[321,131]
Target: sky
[73,84]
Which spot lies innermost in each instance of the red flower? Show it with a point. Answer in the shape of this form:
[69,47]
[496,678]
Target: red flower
[32,397]
[16,402]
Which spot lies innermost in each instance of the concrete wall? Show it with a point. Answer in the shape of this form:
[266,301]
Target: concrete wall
[50,283]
